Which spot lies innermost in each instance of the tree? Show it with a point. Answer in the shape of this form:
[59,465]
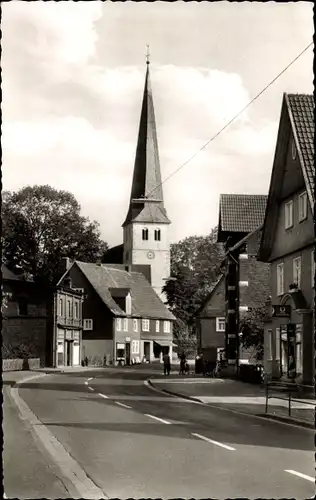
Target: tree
[252,330]
[195,263]
[40,226]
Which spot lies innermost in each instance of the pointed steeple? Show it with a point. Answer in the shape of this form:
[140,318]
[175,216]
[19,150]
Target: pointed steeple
[146,201]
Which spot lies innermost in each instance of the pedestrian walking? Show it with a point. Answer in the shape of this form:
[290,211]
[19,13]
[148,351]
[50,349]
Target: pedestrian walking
[166,364]
[182,364]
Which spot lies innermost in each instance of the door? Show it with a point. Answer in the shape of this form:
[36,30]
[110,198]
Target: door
[69,352]
[128,353]
[147,350]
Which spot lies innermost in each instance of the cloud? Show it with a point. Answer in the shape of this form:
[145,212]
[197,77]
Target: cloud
[71,105]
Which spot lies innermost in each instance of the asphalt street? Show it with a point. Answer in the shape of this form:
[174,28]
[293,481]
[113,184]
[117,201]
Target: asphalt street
[135,442]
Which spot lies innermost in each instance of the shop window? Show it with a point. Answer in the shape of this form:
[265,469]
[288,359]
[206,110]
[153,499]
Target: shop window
[135,346]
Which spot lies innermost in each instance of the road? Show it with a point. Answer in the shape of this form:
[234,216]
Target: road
[135,442]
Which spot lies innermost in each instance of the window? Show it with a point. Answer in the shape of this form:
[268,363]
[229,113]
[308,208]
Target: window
[277,344]
[135,325]
[125,324]
[280,279]
[302,206]
[288,214]
[135,346]
[88,324]
[145,325]
[220,324]
[297,271]
[23,307]
[69,309]
[79,290]
[157,234]
[145,234]
[118,324]
[76,310]
[313,269]
[166,326]
[157,325]
[293,149]
[61,307]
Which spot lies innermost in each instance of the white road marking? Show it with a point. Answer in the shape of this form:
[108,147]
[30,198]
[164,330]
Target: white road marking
[90,378]
[303,476]
[103,395]
[91,388]
[157,418]
[214,442]
[122,404]
[86,383]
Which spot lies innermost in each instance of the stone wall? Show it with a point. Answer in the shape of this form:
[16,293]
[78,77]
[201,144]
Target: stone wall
[10,365]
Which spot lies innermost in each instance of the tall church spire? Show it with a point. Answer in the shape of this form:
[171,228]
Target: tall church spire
[146,201]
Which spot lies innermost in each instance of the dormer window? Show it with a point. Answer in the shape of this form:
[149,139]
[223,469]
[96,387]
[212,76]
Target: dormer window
[293,149]
[288,214]
[302,206]
[157,234]
[145,234]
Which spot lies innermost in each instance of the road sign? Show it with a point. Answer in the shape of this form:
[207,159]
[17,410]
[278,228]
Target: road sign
[281,311]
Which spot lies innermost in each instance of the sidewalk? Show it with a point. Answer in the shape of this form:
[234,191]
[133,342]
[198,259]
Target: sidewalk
[238,396]
[28,471]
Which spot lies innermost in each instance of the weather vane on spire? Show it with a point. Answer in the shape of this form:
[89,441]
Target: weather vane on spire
[147,55]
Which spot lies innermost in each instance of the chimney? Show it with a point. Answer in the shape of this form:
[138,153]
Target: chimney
[67,263]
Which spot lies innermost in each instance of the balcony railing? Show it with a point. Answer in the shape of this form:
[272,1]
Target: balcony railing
[66,321]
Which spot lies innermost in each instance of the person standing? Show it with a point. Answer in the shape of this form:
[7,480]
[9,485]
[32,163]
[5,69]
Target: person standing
[182,364]
[166,364]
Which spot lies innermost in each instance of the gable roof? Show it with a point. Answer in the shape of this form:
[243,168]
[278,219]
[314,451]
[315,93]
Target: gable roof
[240,213]
[145,301]
[245,239]
[301,114]
[204,306]
[297,118]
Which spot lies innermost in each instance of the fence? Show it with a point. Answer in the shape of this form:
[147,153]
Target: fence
[292,393]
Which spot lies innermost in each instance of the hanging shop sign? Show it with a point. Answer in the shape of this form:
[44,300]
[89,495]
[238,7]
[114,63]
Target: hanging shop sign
[281,311]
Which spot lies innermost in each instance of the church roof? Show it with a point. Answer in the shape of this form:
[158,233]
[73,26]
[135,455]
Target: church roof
[147,185]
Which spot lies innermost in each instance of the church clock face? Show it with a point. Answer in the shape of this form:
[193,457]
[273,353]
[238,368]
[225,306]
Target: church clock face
[151,254]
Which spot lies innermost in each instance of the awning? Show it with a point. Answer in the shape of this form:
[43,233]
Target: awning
[165,343]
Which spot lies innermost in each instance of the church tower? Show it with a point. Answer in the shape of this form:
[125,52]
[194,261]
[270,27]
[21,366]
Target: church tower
[146,227]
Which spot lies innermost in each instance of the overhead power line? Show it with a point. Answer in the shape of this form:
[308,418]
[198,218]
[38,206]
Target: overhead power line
[233,119]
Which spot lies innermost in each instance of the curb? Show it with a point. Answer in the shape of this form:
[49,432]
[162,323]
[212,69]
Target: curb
[72,475]
[266,416]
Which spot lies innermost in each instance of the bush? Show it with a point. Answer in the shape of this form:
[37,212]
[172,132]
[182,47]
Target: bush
[251,374]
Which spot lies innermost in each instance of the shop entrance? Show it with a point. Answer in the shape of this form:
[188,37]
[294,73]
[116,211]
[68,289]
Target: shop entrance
[128,353]
[68,353]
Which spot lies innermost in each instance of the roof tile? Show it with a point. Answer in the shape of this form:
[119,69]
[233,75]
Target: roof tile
[242,212]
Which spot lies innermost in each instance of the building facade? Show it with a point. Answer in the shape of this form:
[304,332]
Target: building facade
[124,320]
[67,326]
[240,218]
[210,322]
[288,243]
[146,226]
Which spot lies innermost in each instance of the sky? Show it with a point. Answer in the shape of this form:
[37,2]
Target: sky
[73,77]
